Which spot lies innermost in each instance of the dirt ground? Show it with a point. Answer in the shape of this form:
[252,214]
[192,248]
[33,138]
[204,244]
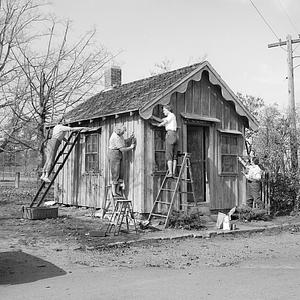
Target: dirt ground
[31,250]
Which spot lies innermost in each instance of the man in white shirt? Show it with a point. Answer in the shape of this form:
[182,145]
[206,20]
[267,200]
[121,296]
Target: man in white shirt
[116,146]
[254,176]
[58,135]
[171,139]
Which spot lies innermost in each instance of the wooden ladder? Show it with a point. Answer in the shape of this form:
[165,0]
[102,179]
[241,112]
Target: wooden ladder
[185,175]
[64,153]
[121,214]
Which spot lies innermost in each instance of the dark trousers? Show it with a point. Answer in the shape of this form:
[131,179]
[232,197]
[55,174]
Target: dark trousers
[254,194]
[171,145]
[115,160]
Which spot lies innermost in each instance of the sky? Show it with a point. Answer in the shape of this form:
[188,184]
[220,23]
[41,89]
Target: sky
[230,34]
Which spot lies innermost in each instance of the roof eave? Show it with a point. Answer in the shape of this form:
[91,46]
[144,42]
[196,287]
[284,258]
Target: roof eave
[103,116]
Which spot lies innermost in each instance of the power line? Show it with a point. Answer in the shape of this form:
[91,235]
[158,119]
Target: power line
[290,20]
[265,21]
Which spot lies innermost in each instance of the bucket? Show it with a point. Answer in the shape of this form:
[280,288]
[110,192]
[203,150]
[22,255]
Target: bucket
[232,226]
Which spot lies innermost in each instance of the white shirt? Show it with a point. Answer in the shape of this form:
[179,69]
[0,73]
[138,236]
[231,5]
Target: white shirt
[116,142]
[171,123]
[254,173]
[59,131]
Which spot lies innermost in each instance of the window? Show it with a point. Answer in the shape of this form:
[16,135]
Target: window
[159,148]
[229,153]
[91,153]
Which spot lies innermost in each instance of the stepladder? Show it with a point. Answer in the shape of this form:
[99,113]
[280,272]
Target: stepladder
[122,216]
[172,189]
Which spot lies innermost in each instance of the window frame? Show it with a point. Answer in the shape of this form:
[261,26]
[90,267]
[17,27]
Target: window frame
[161,151]
[229,153]
[94,153]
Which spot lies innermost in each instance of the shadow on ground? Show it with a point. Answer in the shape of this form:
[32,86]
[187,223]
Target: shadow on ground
[17,267]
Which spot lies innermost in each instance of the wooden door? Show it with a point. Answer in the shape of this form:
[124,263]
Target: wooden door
[196,145]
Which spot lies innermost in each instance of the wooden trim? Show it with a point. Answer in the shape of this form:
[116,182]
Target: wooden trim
[197,117]
[227,131]
[181,87]
[93,130]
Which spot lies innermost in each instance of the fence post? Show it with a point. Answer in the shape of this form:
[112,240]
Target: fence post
[17,180]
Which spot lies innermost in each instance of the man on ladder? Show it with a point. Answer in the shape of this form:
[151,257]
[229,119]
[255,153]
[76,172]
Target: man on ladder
[170,124]
[122,207]
[185,173]
[58,135]
[117,145]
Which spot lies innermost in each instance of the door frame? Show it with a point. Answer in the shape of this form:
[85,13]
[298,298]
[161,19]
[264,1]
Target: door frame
[208,132]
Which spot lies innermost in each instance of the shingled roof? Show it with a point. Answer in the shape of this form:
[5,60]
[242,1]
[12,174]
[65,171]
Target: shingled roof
[128,97]
[144,94]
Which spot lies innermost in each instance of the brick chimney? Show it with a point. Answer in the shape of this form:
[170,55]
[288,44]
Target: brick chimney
[113,77]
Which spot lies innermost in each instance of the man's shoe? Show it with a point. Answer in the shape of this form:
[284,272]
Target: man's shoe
[170,175]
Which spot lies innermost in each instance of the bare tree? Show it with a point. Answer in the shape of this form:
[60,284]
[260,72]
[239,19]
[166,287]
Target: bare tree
[17,18]
[165,65]
[59,76]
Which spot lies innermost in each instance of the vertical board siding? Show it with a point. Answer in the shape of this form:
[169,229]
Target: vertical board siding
[149,193]
[205,99]
[90,188]
[189,98]
[180,107]
[197,97]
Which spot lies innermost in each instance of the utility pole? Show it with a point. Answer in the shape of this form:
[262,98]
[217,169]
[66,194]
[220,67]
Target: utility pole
[291,97]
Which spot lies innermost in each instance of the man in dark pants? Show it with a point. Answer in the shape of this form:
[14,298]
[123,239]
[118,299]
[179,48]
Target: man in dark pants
[253,175]
[170,124]
[117,146]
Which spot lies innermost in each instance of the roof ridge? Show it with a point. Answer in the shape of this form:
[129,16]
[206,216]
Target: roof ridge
[153,76]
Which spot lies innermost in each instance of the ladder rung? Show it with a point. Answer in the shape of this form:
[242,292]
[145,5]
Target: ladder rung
[187,180]
[119,198]
[168,190]
[123,200]
[159,215]
[162,202]
[182,192]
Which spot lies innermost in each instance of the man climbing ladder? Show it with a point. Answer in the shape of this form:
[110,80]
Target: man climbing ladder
[58,135]
[184,176]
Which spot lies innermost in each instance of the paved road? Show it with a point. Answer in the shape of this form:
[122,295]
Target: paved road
[255,267]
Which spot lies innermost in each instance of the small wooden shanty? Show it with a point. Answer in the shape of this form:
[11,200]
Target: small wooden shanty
[211,126]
